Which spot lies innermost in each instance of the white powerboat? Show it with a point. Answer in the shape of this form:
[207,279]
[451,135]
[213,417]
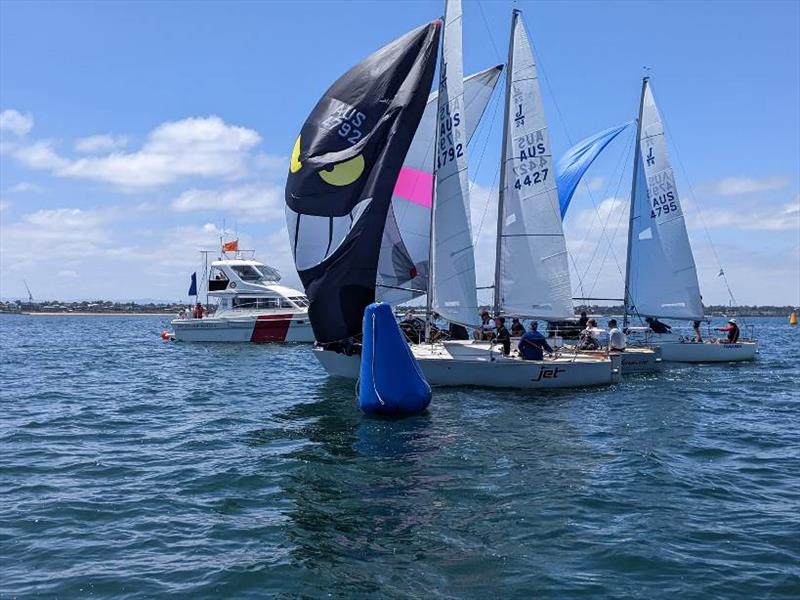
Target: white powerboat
[251,307]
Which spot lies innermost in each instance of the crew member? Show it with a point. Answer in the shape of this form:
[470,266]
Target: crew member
[732,329]
[486,331]
[533,344]
[583,320]
[657,326]
[502,336]
[698,337]
[616,339]
[517,328]
[588,341]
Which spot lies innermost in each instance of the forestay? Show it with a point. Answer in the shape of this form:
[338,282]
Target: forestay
[403,264]
[532,272]
[453,291]
[662,278]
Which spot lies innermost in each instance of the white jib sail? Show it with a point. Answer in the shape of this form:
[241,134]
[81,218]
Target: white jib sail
[453,286]
[662,273]
[403,263]
[533,270]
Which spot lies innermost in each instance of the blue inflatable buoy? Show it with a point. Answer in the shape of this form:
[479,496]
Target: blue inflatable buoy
[391,380]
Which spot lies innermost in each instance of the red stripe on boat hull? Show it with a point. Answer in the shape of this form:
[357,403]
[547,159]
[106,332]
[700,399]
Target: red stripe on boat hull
[272,328]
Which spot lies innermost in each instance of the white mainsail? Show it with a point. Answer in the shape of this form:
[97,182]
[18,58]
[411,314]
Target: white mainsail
[403,262]
[453,289]
[661,274]
[532,271]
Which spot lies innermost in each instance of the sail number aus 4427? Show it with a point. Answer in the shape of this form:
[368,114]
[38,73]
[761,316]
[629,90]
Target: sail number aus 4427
[531,178]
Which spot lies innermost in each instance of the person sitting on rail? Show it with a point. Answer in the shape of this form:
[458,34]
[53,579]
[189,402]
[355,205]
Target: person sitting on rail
[486,330]
[732,329]
[533,344]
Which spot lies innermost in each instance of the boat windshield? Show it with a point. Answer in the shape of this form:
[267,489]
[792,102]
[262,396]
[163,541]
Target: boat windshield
[261,303]
[247,272]
[300,301]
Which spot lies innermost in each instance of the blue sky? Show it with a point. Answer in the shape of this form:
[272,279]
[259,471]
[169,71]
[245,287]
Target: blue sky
[132,131]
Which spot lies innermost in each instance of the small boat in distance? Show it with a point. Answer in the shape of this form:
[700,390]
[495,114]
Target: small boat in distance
[251,306]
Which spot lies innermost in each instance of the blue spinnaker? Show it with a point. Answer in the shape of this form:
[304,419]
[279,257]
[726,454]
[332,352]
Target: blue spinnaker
[193,285]
[578,159]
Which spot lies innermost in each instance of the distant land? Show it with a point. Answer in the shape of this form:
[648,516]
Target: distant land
[132,307]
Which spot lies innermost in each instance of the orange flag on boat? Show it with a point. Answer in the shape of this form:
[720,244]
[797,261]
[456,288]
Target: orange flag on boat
[232,246]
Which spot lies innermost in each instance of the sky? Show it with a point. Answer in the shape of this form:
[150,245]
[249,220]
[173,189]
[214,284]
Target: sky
[132,133]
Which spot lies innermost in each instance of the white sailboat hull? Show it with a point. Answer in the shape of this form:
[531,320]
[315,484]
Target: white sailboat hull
[442,369]
[708,352]
[634,360]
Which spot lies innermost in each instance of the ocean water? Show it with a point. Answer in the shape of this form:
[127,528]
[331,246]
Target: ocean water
[134,468]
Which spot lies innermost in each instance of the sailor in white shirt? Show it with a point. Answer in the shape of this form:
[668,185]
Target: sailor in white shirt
[616,339]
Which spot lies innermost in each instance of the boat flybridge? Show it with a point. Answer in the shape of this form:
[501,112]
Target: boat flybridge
[251,306]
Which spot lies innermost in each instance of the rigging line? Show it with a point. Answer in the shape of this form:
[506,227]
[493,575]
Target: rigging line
[699,212]
[492,122]
[622,214]
[603,234]
[472,182]
[541,67]
[622,162]
[489,31]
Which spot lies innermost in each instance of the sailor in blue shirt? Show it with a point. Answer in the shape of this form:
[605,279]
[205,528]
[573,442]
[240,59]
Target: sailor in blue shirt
[533,343]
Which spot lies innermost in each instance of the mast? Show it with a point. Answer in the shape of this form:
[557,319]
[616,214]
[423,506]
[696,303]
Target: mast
[501,190]
[636,159]
[431,228]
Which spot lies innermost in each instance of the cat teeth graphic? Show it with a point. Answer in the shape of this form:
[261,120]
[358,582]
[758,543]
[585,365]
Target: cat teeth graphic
[315,237]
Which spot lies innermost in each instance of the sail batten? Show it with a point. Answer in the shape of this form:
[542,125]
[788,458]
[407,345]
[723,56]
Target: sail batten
[661,275]
[532,270]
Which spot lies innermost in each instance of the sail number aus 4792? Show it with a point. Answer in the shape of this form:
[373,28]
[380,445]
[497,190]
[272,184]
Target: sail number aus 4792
[449,134]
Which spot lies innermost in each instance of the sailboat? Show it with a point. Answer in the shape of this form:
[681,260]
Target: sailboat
[532,272]
[660,277]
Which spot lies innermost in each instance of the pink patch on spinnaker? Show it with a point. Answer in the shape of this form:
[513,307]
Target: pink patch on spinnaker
[415,186]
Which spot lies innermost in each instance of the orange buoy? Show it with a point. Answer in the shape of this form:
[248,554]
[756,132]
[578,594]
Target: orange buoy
[165,335]
[793,318]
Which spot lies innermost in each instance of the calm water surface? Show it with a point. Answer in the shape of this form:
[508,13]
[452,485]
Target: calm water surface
[133,468]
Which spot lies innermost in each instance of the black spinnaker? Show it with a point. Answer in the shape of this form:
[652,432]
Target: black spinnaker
[343,169]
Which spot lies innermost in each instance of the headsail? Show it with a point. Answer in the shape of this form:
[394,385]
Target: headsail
[532,272]
[661,276]
[343,169]
[404,251]
[577,160]
[453,289]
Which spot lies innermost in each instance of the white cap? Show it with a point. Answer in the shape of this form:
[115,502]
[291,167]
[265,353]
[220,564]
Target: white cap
[732,321]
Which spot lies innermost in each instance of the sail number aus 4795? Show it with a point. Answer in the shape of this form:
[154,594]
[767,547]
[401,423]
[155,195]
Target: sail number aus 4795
[531,178]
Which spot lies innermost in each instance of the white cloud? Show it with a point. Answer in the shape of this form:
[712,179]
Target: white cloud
[15,122]
[4,205]
[67,273]
[100,143]
[40,155]
[249,203]
[735,186]
[193,147]
[780,218]
[25,186]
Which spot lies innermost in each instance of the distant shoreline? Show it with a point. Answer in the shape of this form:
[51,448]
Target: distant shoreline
[89,314]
